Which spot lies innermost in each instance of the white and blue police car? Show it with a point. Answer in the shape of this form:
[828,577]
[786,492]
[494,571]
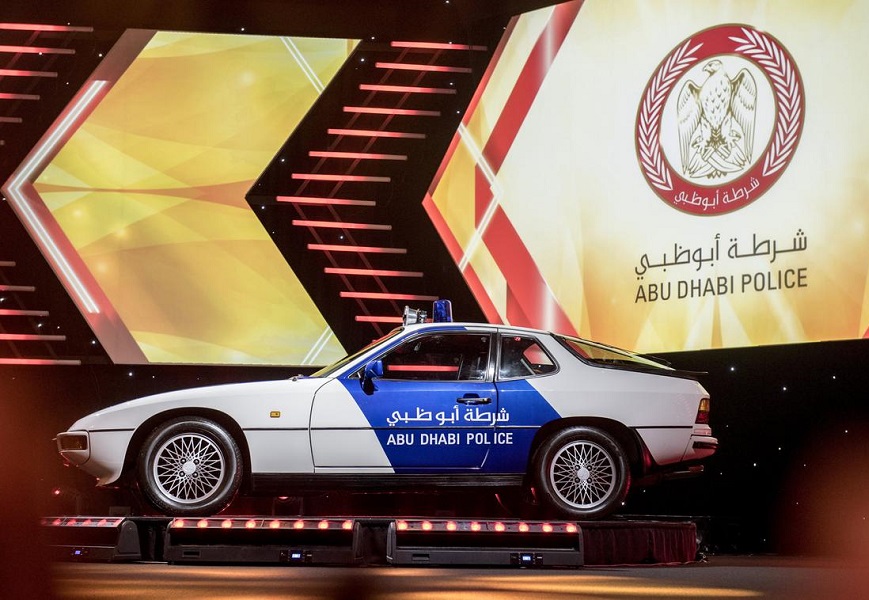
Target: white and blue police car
[430,404]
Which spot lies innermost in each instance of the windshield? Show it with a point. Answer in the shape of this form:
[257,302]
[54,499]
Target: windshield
[337,366]
[606,355]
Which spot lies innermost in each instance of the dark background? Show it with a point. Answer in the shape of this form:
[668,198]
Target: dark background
[792,472]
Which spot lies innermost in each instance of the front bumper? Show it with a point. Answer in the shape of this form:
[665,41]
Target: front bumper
[100,453]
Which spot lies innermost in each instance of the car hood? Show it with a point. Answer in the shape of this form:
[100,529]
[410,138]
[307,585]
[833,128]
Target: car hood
[232,399]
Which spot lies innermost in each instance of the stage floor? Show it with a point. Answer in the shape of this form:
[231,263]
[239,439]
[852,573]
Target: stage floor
[718,578]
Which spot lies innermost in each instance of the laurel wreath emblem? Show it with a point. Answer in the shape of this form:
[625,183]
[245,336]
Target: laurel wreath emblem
[787,91]
[650,112]
[756,47]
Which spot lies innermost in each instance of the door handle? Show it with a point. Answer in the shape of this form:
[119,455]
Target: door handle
[473,400]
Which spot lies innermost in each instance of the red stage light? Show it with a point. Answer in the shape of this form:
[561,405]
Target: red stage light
[500,527]
[325,201]
[376,133]
[299,525]
[547,528]
[324,524]
[405,89]
[275,525]
[37,361]
[426,526]
[398,112]
[360,249]
[377,319]
[356,155]
[41,27]
[250,524]
[571,528]
[387,296]
[340,225]
[401,525]
[419,67]
[202,524]
[435,46]
[523,527]
[423,368]
[339,177]
[476,526]
[226,524]
[371,272]
[347,525]
[11,96]
[14,312]
[30,337]
[35,50]
[26,73]
[451,526]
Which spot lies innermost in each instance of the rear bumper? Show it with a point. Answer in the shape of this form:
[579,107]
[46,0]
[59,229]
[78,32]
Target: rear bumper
[700,447]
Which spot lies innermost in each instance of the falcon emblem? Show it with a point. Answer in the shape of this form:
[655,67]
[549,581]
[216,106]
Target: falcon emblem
[716,122]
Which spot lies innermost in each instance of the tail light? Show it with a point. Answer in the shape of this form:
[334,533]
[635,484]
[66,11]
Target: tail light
[703,412]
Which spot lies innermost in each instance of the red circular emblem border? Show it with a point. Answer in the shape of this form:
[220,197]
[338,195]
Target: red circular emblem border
[767,54]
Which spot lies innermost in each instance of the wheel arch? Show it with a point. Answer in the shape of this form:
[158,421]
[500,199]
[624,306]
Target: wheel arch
[219,417]
[635,452]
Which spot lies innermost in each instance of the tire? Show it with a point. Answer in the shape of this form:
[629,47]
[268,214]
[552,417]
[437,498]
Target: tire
[582,473]
[189,466]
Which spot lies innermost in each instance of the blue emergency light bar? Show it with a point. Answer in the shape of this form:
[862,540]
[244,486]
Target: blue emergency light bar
[442,312]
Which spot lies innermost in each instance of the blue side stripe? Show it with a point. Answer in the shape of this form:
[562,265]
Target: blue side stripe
[422,429]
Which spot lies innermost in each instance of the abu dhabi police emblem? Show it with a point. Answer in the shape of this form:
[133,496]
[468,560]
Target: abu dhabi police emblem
[720,120]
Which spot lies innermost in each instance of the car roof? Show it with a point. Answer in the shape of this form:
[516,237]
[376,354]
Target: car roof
[490,326]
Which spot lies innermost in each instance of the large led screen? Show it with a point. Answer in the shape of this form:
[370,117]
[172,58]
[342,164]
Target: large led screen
[137,198]
[667,175]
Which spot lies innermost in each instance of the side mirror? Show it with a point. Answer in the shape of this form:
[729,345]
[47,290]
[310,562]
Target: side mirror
[373,370]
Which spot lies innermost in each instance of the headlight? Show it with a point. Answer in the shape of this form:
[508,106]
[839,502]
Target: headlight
[75,441]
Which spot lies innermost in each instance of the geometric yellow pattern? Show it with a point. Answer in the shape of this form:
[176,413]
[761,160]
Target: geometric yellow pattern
[150,191]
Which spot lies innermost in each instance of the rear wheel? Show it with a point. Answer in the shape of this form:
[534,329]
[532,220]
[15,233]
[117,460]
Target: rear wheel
[582,473]
[189,466]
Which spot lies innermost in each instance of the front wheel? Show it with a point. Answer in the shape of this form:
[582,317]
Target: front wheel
[582,473]
[189,466]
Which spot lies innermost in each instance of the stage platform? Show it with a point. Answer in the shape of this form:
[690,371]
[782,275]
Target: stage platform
[360,541]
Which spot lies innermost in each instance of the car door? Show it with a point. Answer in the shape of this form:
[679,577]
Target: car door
[524,370]
[434,408]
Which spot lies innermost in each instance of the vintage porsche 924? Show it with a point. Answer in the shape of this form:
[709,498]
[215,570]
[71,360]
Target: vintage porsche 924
[430,404]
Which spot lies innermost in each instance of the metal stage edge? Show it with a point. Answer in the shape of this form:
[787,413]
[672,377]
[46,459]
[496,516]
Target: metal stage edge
[349,541]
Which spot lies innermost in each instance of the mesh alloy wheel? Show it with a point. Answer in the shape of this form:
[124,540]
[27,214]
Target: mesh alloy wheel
[189,468]
[583,474]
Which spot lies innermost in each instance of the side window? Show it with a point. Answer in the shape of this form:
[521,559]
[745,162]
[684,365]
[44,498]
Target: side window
[523,357]
[442,356]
